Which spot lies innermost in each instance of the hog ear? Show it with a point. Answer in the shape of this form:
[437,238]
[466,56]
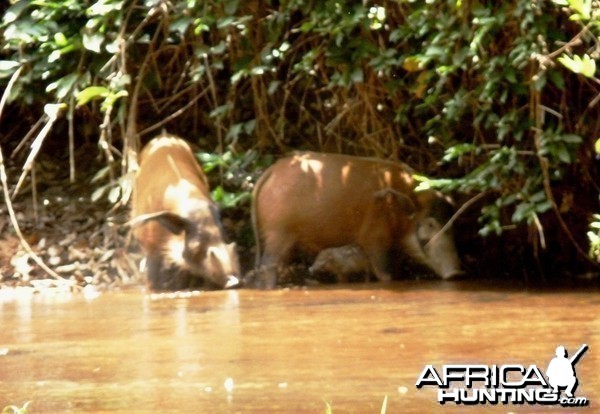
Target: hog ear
[395,198]
[214,257]
[212,254]
[170,221]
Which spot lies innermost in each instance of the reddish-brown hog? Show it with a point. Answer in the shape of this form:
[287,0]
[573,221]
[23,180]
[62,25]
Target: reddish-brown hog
[310,201]
[176,222]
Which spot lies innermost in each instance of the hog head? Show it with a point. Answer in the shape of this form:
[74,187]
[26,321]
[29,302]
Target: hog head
[419,225]
[436,247]
[201,252]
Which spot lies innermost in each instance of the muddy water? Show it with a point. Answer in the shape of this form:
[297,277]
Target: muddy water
[290,351]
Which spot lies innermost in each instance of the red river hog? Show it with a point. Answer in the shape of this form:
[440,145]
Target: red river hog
[176,222]
[308,202]
[342,262]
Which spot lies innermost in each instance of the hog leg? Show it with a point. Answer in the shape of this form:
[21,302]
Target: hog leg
[154,270]
[161,277]
[375,240]
[268,271]
[276,254]
[379,261]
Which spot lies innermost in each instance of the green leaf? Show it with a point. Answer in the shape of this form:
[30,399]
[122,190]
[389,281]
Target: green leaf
[230,6]
[181,25]
[563,154]
[63,86]
[583,65]
[458,150]
[522,212]
[101,174]
[588,68]
[220,111]
[557,79]
[8,65]
[571,138]
[597,146]
[539,81]
[53,110]
[583,8]
[93,41]
[111,98]
[98,193]
[357,75]
[273,86]
[91,92]
[60,39]
[7,68]
[225,22]
[114,194]
[103,7]
[14,11]
[54,56]
[227,199]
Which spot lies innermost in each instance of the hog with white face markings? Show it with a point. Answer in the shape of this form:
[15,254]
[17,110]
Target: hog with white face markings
[176,222]
[311,201]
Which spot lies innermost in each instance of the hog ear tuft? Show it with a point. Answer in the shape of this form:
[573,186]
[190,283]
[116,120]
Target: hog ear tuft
[213,255]
[391,197]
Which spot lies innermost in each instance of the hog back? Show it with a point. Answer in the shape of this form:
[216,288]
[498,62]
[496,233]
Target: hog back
[169,179]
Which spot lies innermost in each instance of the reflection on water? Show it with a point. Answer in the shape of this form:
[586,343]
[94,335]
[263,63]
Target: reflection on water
[281,351]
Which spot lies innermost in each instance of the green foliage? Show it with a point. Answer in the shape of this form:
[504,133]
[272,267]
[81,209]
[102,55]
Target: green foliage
[579,64]
[594,237]
[237,173]
[13,409]
[115,190]
[484,96]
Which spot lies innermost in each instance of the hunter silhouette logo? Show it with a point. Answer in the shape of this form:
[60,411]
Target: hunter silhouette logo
[508,384]
[561,371]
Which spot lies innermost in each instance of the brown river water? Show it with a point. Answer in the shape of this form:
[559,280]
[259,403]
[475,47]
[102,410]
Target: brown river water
[337,349]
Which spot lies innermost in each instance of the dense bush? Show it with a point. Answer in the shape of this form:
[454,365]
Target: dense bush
[488,97]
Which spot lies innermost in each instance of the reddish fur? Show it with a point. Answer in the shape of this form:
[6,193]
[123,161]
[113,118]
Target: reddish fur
[155,174]
[177,223]
[295,207]
[313,201]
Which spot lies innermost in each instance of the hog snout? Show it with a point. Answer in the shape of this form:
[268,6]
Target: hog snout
[438,246]
[231,282]
[223,266]
[443,258]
